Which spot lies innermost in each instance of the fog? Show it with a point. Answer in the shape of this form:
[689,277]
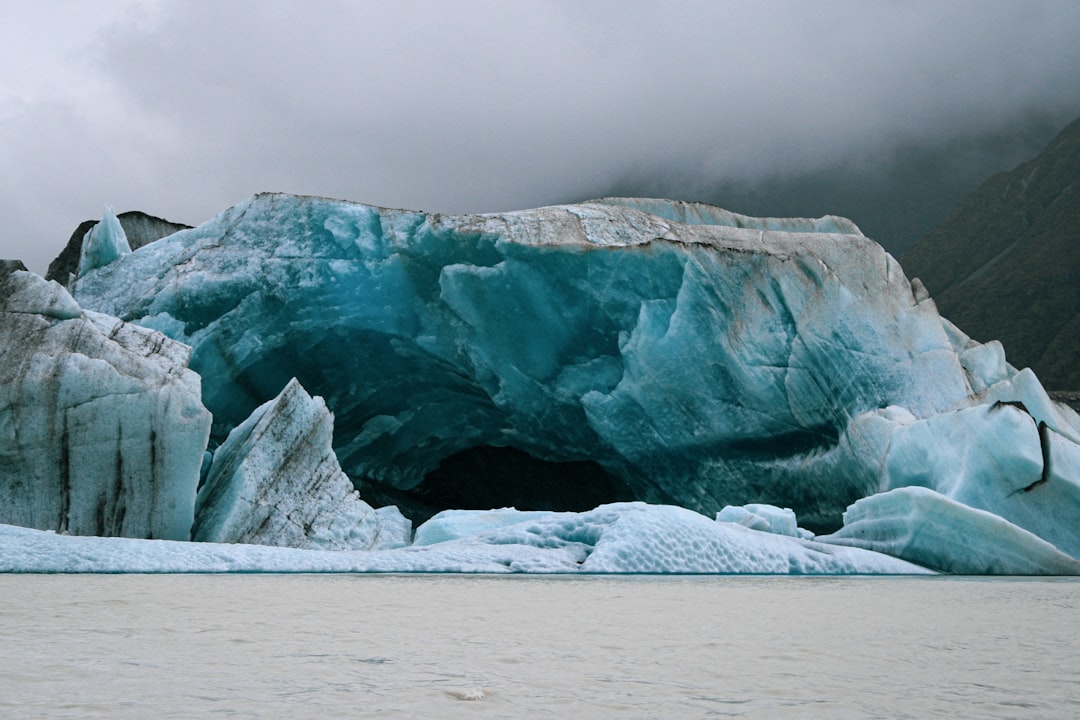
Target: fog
[182,109]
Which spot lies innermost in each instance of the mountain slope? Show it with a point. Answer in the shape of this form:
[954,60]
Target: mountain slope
[1005,264]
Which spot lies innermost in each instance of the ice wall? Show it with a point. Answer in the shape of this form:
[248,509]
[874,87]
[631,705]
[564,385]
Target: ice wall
[102,430]
[703,365]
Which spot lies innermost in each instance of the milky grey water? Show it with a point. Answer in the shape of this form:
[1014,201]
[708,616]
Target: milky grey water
[348,646]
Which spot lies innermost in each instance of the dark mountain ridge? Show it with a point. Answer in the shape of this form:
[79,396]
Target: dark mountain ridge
[140,228]
[1005,263]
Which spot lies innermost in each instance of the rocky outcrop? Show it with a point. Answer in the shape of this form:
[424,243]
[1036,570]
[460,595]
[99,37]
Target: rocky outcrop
[102,430]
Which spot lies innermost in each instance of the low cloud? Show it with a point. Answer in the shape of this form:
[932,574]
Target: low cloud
[184,108]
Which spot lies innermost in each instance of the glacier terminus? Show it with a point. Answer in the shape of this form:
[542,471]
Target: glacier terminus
[622,385]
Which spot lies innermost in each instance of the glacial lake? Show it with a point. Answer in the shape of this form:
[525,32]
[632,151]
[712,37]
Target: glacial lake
[453,646]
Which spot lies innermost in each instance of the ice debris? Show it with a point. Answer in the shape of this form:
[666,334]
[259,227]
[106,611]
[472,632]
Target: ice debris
[276,481]
[618,538]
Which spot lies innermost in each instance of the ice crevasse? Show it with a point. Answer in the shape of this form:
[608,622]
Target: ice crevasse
[671,353]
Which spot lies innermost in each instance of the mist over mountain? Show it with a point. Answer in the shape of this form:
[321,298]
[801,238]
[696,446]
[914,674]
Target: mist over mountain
[896,195]
[1005,263]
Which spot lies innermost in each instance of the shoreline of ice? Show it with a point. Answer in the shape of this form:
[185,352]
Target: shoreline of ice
[623,538]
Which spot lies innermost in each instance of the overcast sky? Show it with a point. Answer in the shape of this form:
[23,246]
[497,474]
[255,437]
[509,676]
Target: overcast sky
[182,108]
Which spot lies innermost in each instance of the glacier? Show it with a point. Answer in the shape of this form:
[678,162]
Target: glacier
[700,365]
[664,363]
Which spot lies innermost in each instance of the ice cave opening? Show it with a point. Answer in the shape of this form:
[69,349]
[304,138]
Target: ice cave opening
[477,479]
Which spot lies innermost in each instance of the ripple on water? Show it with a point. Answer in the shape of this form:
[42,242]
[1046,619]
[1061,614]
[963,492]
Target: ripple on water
[452,646]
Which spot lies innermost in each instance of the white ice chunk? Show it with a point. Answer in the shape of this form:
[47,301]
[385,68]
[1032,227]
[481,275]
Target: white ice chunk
[102,430]
[741,516]
[650,539]
[276,481]
[992,448]
[925,527]
[766,518]
[103,243]
[395,530]
[620,538]
[456,524]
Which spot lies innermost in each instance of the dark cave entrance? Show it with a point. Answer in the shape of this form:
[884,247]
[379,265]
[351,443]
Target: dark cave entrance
[487,476]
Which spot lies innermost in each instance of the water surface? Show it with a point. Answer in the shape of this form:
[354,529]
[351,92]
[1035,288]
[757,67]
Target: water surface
[357,646]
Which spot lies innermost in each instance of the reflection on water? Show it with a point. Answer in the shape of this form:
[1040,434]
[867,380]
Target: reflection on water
[349,646]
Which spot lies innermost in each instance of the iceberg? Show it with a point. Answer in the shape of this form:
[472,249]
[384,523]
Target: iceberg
[623,371]
[276,481]
[103,243]
[700,365]
[925,527]
[102,429]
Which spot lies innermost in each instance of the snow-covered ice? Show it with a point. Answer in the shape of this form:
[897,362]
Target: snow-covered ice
[619,538]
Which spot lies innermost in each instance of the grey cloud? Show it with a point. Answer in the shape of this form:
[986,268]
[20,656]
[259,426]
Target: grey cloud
[482,106]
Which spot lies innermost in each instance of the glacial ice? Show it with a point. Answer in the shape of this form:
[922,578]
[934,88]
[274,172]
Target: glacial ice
[276,481]
[103,243]
[991,457]
[456,524]
[139,229]
[770,373]
[699,365]
[619,538]
[766,518]
[925,527]
[101,425]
